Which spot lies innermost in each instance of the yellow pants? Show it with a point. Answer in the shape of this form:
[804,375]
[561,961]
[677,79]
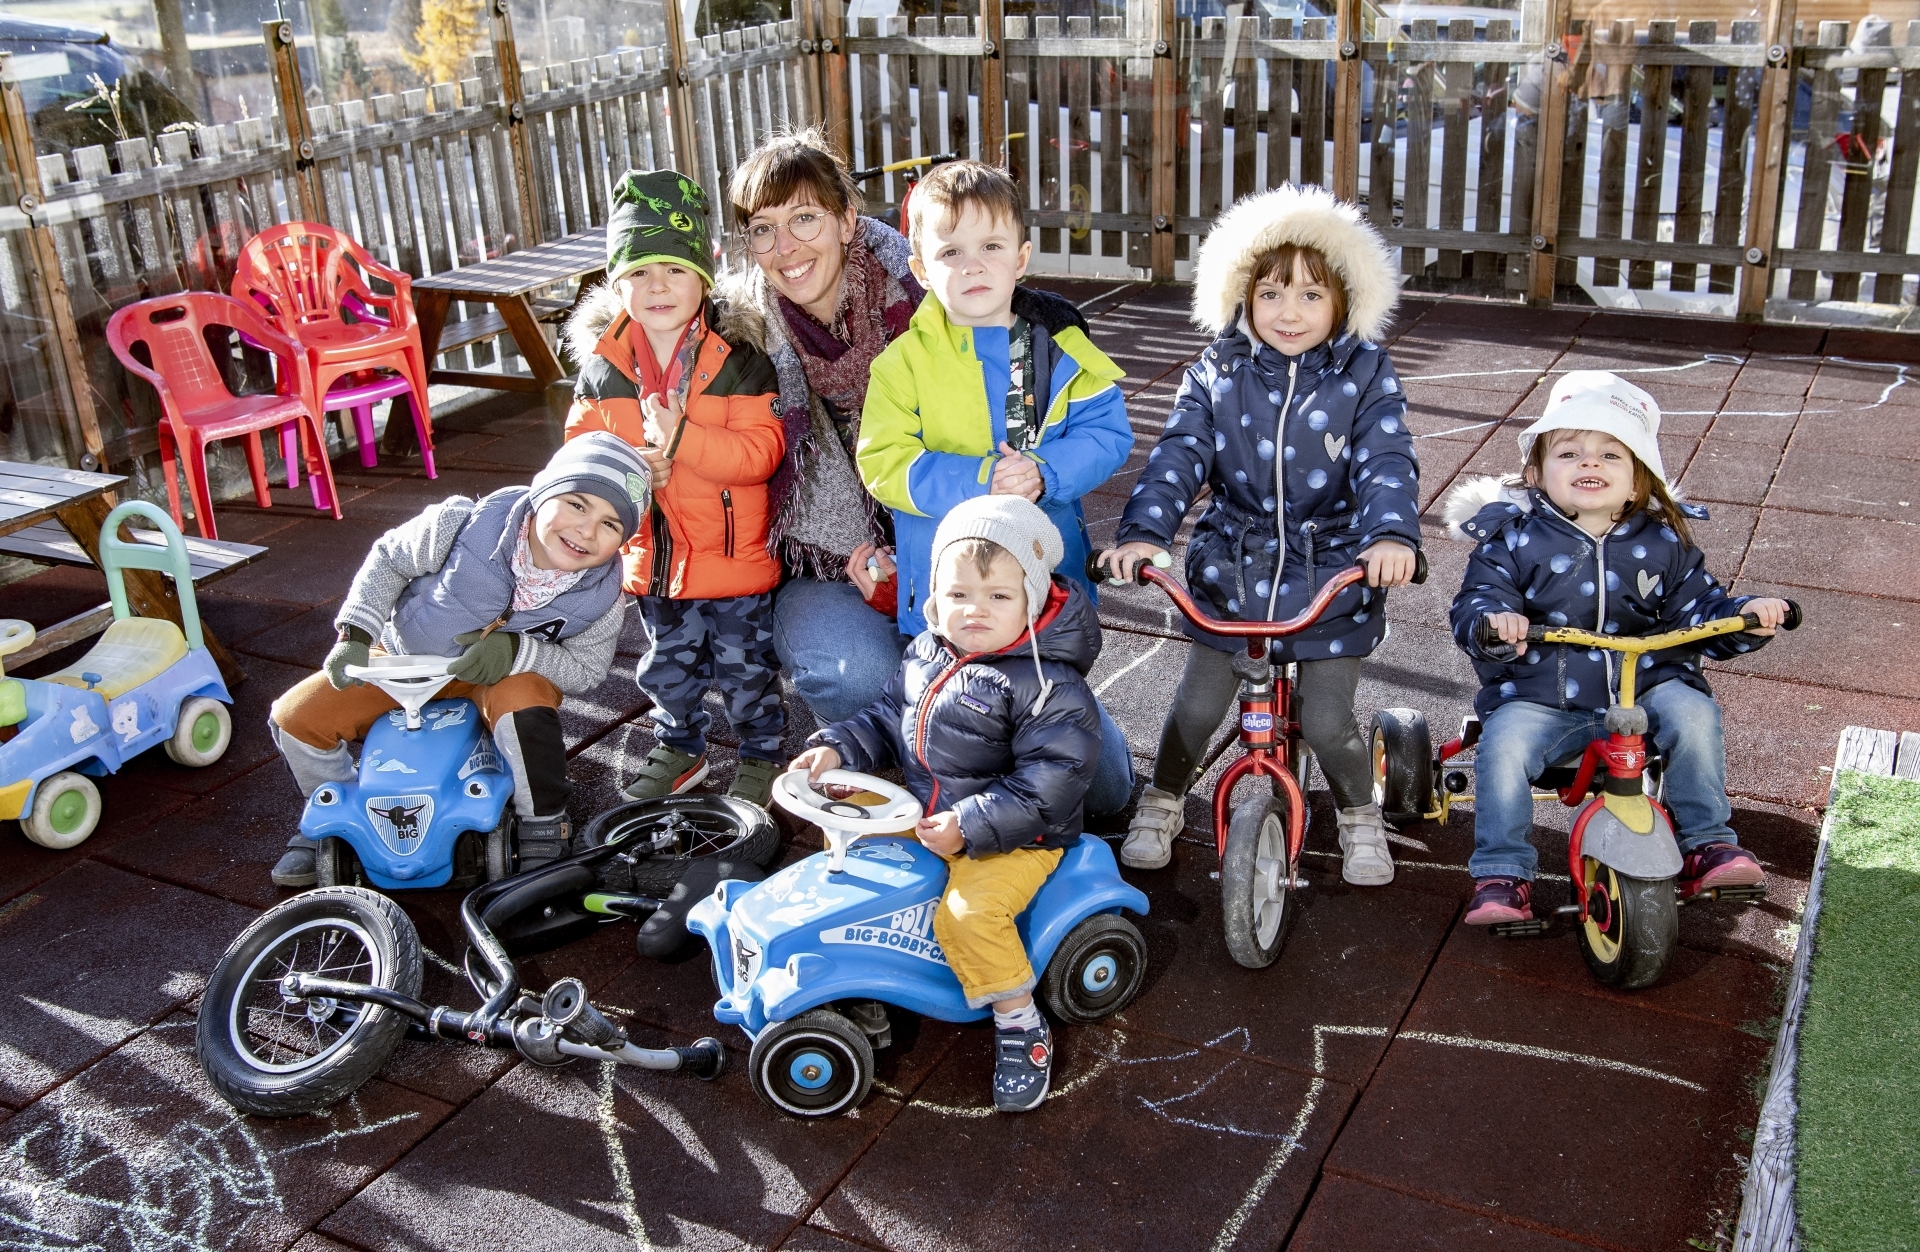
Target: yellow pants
[974,922]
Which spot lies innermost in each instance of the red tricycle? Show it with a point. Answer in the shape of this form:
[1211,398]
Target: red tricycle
[1259,838]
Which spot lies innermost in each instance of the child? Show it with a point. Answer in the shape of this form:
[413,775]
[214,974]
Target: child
[1590,536]
[525,581]
[994,389]
[663,369]
[1294,420]
[992,721]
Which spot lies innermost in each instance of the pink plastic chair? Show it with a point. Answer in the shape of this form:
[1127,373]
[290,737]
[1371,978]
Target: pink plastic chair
[196,407]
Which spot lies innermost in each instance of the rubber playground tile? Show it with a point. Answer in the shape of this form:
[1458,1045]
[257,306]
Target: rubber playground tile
[93,960]
[1684,410]
[1132,1122]
[138,1152]
[1865,384]
[1755,417]
[301,641]
[523,452]
[606,1157]
[1819,480]
[1441,463]
[402,499]
[1551,1088]
[811,1238]
[616,699]
[126,809]
[1444,411]
[1695,363]
[1472,362]
[1835,553]
[1347,1215]
[326,555]
[1778,374]
[1844,641]
[1499,318]
[311,1242]
[249,747]
[1785,840]
[1780,735]
[236,619]
[1728,472]
[1884,432]
[222,843]
[1725,536]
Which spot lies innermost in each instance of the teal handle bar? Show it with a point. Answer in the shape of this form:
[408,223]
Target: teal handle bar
[117,554]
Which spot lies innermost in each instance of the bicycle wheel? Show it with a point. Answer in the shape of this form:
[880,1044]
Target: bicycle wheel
[694,827]
[1256,881]
[1631,929]
[1402,765]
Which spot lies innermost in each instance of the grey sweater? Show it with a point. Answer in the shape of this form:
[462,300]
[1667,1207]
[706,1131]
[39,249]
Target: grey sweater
[418,548]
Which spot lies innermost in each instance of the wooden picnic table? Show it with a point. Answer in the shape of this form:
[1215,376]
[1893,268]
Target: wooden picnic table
[507,283]
[31,495]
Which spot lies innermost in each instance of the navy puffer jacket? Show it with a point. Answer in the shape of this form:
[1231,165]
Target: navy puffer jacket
[964,731]
[1639,579]
[1350,478]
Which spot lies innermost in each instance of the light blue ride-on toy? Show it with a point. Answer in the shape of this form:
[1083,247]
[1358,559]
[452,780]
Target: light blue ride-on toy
[145,682]
[807,960]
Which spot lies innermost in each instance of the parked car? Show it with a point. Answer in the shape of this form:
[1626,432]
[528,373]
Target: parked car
[59,66]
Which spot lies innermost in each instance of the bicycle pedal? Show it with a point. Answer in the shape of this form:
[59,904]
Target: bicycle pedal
[1531,929]
[1733,895]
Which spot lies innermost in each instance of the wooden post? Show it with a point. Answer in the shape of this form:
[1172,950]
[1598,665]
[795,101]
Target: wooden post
[1772,135]
[507,57]
[808,11]
[993,83]
[1165,149]
[55,309]
[292,95]
[685,153]
[171,25]
[1551,131]
[1346,101]
[835,88]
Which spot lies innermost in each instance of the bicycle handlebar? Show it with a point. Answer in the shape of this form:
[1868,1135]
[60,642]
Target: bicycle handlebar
[1487,637]
[1152,575]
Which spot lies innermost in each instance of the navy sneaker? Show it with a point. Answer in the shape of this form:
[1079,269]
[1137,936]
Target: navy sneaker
[1023,1061]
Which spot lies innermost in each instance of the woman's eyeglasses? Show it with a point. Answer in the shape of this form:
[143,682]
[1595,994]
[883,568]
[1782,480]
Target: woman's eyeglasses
[803,227]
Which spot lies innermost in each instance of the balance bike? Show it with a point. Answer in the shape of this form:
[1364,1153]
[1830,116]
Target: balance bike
[1258,839]
[1623,861]
[311,999]
[146,682]
[807,961]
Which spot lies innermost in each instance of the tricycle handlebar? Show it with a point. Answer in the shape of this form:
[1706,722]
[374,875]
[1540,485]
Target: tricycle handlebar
[1152,575]
[1487,637]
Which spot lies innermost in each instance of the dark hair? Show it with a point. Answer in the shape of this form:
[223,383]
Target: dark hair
[957,184]
[801,162]
[1276,264]
[1649,493]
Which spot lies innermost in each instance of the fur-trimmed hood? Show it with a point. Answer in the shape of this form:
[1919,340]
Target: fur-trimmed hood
[1471,495]
[1308,216]
[599,307]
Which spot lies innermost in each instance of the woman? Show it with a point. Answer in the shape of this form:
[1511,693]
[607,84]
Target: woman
[831,289]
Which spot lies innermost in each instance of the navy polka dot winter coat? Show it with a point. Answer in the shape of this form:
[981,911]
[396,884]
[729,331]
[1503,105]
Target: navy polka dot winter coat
[1340,470]
[1638,579]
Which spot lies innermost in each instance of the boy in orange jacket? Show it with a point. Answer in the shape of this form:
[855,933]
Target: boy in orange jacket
[659,370]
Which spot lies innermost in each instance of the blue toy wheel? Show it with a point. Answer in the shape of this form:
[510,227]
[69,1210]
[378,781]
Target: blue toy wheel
[819,1064]
[1096,970]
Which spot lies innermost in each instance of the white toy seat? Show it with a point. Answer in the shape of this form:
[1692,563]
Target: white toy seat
[133,650]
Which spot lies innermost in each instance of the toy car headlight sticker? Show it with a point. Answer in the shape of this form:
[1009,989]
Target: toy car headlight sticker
[909,931]
[125,717]
[326,795]
[477,789]
[401,822]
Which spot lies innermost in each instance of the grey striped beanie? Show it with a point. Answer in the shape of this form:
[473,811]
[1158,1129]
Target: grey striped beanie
[601,464]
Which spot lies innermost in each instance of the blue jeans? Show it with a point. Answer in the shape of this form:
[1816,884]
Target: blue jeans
[1519,741]
[840,654]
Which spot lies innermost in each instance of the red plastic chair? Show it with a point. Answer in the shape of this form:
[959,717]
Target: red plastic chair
[196,407]
[312,282]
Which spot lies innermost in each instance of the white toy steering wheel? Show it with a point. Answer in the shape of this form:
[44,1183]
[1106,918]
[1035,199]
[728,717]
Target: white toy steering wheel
[843,821]
[410,680]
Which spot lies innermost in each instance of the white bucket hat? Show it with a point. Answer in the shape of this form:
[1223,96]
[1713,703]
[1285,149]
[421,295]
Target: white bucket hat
[1597,400]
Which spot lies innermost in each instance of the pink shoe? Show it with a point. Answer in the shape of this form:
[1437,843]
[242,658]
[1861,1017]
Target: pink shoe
[1500,900]
[1719,865]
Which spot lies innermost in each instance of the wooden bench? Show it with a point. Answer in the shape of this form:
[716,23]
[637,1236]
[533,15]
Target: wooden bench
[507,283]
[48,543]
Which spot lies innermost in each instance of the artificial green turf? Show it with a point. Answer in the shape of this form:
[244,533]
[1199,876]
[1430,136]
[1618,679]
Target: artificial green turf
[1859,1077]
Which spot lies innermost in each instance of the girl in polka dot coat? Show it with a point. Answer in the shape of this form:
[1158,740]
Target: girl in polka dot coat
[1295,423]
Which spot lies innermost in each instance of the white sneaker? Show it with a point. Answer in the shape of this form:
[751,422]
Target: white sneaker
[1365,861]
[1156,821]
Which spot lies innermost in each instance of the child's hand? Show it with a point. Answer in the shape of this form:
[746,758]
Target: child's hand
[1123,561]
[861,576]
[941,833]
[662,419]
[1015,474]
[659,467]
[1389,563]
[816,761]
[1513,630]
[1771,613]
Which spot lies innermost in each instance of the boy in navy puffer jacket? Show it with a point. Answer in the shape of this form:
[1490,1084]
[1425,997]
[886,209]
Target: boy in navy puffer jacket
[991,719]
[1590,536]
[1295,420]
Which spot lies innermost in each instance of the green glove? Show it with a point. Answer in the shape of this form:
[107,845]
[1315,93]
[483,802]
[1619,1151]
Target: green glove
[350,650]
[486,661]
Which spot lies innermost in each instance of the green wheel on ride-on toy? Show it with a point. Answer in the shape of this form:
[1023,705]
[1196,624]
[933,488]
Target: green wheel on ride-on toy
[281,1057]
[818,1064]
[66,808]
[1631,929]
[1402,765]
[201,734]
[1256,881]
[1096,970]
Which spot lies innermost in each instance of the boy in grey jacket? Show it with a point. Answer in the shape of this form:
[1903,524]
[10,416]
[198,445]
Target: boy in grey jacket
[526,583]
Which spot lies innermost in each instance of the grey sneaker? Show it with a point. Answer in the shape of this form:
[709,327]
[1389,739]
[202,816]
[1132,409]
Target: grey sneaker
[667,772]
[753,781]
[1365,859]
[543,840]
[1157,819]
[295,870]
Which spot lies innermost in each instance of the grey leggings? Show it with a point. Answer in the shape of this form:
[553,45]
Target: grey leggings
[1207,690]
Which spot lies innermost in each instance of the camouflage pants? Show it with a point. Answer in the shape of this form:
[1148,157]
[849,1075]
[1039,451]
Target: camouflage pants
[699,644]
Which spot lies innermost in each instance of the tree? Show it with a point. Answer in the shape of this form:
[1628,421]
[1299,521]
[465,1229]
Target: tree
[449,32]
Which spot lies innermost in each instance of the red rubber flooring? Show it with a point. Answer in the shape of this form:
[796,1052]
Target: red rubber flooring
[1396,1080]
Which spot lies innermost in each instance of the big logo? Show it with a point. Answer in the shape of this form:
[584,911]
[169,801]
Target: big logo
[402,822]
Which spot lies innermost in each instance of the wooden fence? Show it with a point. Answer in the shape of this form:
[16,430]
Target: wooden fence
[1654,162]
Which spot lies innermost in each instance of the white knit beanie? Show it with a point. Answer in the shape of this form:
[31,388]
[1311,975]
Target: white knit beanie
[1016,524]
[1597,400]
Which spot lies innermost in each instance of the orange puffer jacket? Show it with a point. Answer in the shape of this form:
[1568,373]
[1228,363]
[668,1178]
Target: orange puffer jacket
[706,538]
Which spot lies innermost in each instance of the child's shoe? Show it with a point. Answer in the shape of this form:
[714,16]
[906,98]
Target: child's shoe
[543,840]
[1719,865]
[753,781]
[1500,900]
[667,772]
[1365,860]
[1157,819]
[295,869]
[1023,1064]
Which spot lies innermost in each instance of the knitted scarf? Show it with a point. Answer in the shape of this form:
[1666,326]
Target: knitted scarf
[874,309]
[534,587]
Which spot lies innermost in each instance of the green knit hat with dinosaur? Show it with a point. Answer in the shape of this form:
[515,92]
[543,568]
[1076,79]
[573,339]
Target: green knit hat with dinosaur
[658,215]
